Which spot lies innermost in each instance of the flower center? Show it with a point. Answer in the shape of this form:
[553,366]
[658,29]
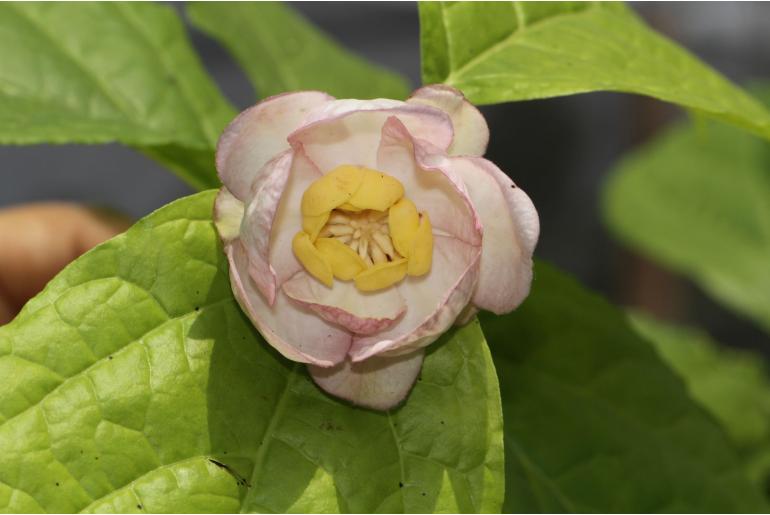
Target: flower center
[366,232]
[357,225]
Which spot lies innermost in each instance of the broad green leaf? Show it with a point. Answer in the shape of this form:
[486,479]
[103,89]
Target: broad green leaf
[499,52]
[595,422]
[698,200]
[280,51]
[134,383]
[96,72]
[732,384]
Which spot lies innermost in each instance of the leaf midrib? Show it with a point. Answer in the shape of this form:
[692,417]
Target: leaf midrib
[455,75]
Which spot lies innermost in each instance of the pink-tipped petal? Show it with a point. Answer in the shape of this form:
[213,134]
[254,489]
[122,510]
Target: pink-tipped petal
[433,301]
[258,134]
[343,304]
[298,334]
[348,131]
[258,222]
[273,217]
[511,229]
[470,128]
[429,181]
[228,214]
[380,383]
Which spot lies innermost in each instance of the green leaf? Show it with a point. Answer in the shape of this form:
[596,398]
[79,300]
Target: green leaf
[500,52]
[99,72]
[134,383]
[595,422]
[280,51]
[731,384]
[698,200]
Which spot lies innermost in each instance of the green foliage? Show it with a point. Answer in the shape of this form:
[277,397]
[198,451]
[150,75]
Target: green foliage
[696,199]
[134,383]
[537,50]
[733,385]
[100,72]
[594,421]
[280,51]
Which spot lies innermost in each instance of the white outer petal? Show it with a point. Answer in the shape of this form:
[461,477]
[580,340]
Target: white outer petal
[228,214]
[429,182]
[349,131]
[343,304]
[470,128]
[258,222]
[511,229]
[296,333]
[379,383]
[433,301]
[258,134]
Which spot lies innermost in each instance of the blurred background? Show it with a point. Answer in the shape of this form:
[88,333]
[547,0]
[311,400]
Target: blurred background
[558,150]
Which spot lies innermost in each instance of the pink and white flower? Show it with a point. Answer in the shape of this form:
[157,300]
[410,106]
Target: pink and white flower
[358,231]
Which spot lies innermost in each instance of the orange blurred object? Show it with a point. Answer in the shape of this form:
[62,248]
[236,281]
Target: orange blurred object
[38,240]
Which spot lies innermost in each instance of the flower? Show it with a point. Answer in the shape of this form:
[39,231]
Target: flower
[358,231]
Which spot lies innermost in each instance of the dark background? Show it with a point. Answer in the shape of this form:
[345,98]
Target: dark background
[558,150]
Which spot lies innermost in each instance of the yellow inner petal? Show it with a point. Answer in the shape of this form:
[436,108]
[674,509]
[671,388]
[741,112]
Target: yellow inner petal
[403,220]
[421,254]
[377,191]
[344,261]
[331,190]
[357,225]
[313,261]
[382,275]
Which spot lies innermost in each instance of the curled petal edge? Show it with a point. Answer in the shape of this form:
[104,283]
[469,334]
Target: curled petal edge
[506,259]
[335,344]
[379,383]
[471,132]
[269,123]
[432,326]
[387,305]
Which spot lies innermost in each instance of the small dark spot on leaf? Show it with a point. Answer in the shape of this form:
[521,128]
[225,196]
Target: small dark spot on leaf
[224,452]
[110,357]
[96,457]
[423,494]
[197,308]
[81,451]
[138,506]
[442,422]
[57,483]
[400,484]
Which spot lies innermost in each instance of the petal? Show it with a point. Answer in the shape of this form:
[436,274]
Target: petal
[379,383]
[312,259]
[348,131]
[382,275]
[332,189]
[470,128]
[403,222]
[344,261]
[433,301]
[421,252]
[377,191]
[273,218]
[297,333]
[258,134]
[228,214]
[258,222]
[344,305]
[429,182]
[511,228]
